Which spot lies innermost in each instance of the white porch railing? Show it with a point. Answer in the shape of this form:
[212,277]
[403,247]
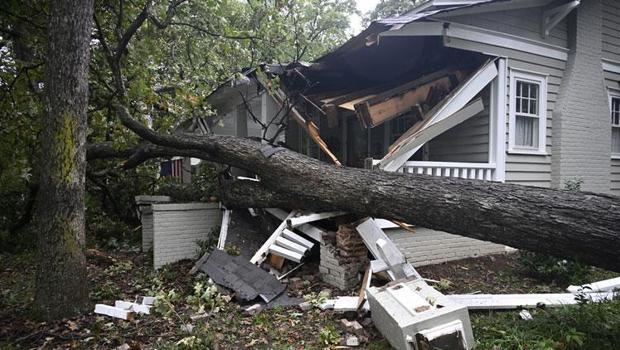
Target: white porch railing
[473,171]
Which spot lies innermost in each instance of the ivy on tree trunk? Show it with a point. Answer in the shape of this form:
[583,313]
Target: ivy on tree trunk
[61,280]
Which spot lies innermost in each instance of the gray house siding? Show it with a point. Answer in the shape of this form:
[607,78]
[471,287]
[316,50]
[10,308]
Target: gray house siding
[466,142]
[527,169]
[524,23]
[582,130]
[615,177]
[611,29]
[532,170]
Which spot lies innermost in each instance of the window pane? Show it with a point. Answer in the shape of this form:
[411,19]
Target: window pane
[519,89]
[615,140]
[524,108]
[533,91]
[615,111]
[526,131]
[533,107]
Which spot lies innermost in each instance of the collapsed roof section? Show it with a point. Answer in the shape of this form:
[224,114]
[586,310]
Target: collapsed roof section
[378,77]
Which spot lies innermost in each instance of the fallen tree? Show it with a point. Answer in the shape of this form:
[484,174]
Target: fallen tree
[578,225]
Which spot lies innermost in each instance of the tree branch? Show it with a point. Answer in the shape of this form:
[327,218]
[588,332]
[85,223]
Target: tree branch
[131,31]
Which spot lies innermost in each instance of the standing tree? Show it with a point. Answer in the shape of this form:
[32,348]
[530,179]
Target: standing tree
[61,283]
[389,8]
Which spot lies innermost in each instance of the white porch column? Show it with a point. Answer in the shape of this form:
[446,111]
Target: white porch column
[497,125]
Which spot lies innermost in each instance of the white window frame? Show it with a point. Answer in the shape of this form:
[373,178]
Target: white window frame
[613,94]
[541,80]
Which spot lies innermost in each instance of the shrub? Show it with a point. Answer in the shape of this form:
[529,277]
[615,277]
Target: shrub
[584,326]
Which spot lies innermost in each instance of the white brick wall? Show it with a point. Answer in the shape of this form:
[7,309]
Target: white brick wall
[426,246]
[147,228]
[581,126]
[177,227]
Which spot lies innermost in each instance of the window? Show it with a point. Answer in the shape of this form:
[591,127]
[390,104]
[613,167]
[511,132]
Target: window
[528,113]
[615,125]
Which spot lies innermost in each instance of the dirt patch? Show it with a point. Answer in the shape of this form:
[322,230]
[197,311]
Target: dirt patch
[500,273]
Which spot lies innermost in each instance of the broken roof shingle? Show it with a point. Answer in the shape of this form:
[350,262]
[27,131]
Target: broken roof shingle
[246,279]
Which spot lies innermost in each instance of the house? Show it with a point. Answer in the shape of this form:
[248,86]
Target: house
[516,91]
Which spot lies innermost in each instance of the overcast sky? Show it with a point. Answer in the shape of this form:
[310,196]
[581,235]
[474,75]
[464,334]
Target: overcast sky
[356,21]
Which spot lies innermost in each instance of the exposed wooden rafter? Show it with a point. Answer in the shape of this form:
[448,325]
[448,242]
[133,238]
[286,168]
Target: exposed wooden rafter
[422,132]
[395,102]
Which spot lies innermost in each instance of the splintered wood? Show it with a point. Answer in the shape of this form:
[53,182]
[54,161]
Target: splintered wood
[424,92]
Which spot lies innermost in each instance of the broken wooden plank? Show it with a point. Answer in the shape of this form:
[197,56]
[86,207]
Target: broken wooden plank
[401,154]
[224,229]
[286,253]
[304,219]
[365,284]
[276,261]
[395,102]
[371,233]
[290,245]
[288,234]
[199,263]
[261,253]
[290,271]
[307,229]
[600,286]
[311,129]
[454,102]
[113,311]
[378,265]
[392,257]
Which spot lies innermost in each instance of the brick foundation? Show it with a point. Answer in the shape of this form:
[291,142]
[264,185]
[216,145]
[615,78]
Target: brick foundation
[343,257]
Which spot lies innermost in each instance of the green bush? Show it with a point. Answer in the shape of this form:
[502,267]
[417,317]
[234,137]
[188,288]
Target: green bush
[551,269]
[585,326]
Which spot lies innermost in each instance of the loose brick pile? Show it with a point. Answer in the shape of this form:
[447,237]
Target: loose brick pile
[343,256]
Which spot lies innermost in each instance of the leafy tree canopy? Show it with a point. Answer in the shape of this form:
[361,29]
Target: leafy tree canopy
[389,8]
[179,51]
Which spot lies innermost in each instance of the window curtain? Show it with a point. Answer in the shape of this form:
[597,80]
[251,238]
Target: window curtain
[615,140]
[526,131]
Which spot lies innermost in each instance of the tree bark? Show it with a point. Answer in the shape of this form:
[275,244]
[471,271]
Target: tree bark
[580,225]
[61,282]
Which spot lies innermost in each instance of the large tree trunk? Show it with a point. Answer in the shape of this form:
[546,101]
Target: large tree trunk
[578,225]
[61,282]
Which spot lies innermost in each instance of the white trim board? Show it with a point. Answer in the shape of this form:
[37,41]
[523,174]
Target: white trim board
[493,7]
[497,122]
[474,34]
[509,41]
[514,301]
[307,229]
[600,286]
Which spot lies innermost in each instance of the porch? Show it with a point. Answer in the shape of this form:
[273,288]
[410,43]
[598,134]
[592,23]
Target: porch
[461,134]
[463,170]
